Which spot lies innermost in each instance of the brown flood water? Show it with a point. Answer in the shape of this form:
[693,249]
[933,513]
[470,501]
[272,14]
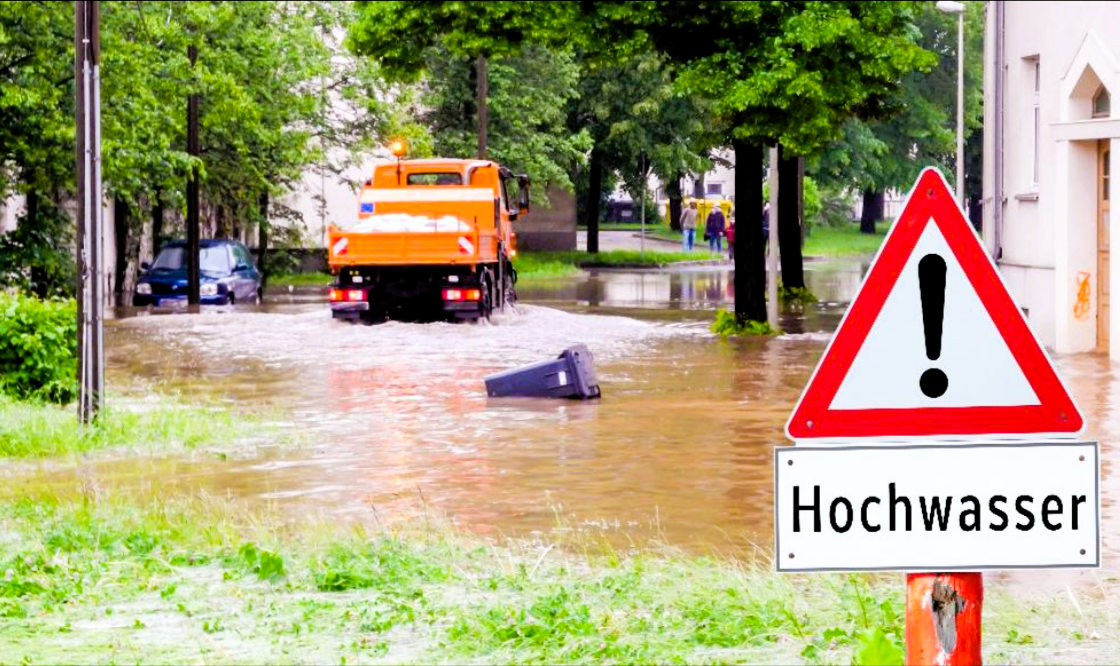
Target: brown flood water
[679,448]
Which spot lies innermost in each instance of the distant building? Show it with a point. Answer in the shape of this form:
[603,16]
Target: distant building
[1051,133]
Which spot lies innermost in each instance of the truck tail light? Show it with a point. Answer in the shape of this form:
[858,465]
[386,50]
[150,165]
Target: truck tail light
[462,295]
[347,295]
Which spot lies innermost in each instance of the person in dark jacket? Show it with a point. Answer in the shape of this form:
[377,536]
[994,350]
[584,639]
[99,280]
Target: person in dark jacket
[713,230]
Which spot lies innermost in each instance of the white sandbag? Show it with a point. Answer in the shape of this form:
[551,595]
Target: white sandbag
[405,223]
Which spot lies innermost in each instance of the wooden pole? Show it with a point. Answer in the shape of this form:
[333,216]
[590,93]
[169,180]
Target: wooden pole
[943,618]
[90,288]
[483,77]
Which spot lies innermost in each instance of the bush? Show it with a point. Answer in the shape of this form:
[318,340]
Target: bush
[727,324]
[38,348]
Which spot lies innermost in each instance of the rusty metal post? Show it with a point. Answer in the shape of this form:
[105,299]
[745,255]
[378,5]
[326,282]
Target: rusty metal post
[943,618]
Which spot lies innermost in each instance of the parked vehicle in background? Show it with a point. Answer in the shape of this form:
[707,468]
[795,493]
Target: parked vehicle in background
[432,239]
[227,273]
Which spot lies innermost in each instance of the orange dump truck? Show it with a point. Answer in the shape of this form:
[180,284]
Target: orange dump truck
[432,239]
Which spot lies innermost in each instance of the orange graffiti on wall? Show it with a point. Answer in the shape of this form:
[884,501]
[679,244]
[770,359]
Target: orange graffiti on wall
[1081,307]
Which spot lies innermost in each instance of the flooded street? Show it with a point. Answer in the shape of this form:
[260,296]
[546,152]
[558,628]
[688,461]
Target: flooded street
[395,417]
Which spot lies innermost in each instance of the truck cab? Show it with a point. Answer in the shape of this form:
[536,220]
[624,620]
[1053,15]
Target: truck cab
[429,239]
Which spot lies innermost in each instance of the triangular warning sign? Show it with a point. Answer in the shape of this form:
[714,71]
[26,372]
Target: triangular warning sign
[933,345]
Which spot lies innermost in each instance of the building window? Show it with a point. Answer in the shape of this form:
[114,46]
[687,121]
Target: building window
[1036,118]
[715,188]
[1102,103]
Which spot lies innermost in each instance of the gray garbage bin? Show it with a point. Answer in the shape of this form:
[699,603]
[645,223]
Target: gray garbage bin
[571,375]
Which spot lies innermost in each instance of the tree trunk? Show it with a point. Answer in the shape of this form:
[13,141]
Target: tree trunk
[698,187]
[38,273]
[262,240]
[594,196]
[673,187]
[872,210]
[750,250]
[801,199]
[789,224]
[120,234]
[157,224]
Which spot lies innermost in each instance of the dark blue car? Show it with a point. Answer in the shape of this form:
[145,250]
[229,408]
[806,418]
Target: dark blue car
[228,275]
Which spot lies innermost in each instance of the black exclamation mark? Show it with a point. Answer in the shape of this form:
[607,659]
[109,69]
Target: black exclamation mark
[931,282]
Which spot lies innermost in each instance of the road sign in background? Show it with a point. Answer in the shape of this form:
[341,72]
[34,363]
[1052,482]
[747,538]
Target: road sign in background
[948,507]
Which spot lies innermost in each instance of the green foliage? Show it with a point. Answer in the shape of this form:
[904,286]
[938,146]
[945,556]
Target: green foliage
[795,295]
[398,34]
[266,564]
[35,257]
[794,76]
[301,280]
[888,152]
[875,648]
[727,324]
[528,94]
[38,348]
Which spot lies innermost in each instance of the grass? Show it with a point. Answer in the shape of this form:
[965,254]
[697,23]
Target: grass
[99,577]
[537,265]
[626,226]
[35,430]
[301,280]
[845,241]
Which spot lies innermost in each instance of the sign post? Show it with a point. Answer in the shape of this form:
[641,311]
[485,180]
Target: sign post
[932,381]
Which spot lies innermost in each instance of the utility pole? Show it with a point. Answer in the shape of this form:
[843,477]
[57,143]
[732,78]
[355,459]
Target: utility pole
[483,78]
[192,192]
[772,260]
[91,297]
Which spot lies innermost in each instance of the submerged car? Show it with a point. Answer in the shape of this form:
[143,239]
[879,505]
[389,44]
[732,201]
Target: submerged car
[226,271]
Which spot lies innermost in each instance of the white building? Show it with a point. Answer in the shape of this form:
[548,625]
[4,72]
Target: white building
[1051,134]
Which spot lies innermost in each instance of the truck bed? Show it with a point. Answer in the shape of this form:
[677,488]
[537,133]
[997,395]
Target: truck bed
[349,248]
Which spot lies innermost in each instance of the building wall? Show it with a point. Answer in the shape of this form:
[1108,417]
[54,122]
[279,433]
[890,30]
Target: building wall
[552,228]
[1049,235]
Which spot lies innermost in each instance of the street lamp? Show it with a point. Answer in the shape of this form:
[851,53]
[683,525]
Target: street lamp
[957,8]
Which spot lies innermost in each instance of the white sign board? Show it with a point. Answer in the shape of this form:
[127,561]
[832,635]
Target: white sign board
[947,507]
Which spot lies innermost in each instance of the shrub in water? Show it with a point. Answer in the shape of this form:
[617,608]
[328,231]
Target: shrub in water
[727,324]
[38,348]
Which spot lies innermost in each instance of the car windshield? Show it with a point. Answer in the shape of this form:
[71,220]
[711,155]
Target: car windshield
[213,259]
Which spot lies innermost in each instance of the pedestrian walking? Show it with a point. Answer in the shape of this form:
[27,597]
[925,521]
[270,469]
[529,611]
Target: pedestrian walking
[688,227]
[713,230]
[731,238]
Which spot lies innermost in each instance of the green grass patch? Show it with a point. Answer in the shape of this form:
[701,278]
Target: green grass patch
[843,241]
[301,280]
[35,430]
[100,577]
[543,266]
[728,325]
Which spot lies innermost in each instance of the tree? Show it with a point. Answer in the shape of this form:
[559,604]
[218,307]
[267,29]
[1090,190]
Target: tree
[633,115]
[529,92]
[37,143]
[785,73]
[875,155]
[399,35]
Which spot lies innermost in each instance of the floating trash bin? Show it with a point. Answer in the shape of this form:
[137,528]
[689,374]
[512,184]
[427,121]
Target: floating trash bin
[571,375]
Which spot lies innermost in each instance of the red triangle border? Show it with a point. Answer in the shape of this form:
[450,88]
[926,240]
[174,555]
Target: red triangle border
[1056,414]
